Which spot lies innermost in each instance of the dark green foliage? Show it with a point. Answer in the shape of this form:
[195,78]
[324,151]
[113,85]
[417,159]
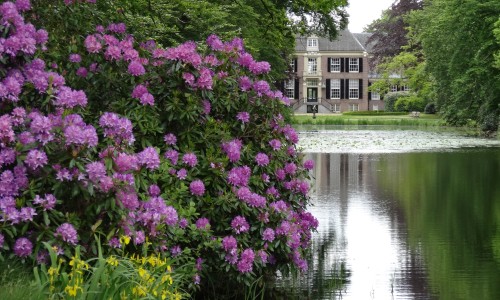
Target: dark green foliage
[430,108]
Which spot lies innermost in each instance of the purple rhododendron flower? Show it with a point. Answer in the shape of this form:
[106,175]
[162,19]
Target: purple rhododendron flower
[197,188]
[67,233]
[275,144]
[229,243]
[239,176]
[48,203]
[150,158]
[232,149]
[245,83]
[135,68]
[36,159]
[154,190]
[190,159]
[262,159]
[2,240]
[309,164]
[170,139]
[205,79]
[172,155]
[82,72]
[243,116]
[246,262]
[240,224]
[268,235]
[182,174]
[23,247]
[75,58]
[203,223]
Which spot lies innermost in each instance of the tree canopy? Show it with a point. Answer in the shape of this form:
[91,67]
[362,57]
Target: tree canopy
[459,45]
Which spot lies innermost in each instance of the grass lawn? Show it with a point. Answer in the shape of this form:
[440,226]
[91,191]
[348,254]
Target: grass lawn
[339,119]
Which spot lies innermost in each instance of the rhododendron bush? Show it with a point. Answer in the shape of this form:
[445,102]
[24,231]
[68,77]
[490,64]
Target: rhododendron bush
[185,150]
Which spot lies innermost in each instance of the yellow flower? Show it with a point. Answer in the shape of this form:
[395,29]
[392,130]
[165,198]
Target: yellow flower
[166,278]
[144,274]
[125,239]
[52,271]
[139,291]
[112,261]
[72,290]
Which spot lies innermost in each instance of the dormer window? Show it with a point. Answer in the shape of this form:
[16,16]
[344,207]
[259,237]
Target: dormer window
[312,44]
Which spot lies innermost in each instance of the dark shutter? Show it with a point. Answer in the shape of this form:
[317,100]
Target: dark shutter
[347,89]
[328,64]
[328,90]
[282,86]
[346,67]
[369,92]
[341,88]
[360,89]
[360,64]
[296,86]
[295,63]
[341,64]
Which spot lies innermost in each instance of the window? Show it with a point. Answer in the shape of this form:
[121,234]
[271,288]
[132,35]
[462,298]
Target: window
[394,88]
[312,44]
[353,65]
[335,65]
[312,82]
[290,89]
[335,107]
[335,89]
[292,65]
[354,107]
[354,89]
[375,95]
[312,65]
[375,107]
[405,88]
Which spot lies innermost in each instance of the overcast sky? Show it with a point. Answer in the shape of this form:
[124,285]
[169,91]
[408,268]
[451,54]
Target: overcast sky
[363,12]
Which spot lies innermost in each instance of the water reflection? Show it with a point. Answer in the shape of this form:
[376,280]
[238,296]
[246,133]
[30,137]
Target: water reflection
[404,226]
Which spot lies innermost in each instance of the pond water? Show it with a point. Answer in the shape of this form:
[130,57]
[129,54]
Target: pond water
[407,222]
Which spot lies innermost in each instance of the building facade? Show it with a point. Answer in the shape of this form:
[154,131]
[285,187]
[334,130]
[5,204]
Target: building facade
[331,76]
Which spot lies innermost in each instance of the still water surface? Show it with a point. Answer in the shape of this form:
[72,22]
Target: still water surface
[409,225]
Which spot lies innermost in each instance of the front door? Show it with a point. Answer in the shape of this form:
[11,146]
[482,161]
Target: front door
[312,94]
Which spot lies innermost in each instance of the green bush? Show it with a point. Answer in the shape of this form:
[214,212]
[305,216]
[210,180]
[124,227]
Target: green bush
[187,150]
[391,98]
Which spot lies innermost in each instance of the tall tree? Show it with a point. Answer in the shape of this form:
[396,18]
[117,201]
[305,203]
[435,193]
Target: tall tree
[389,32]
[459,45]
[268,27]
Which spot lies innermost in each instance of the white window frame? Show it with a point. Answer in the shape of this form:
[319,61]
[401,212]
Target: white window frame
[312,65]
[353,89]
[290,89]
[336,107]
[335,65]
[335,89]
[312,82]
[353,65]
[394,88]
[375,95]
[312,44]
[353,107]
[375,107]
[405,88]
[292,65]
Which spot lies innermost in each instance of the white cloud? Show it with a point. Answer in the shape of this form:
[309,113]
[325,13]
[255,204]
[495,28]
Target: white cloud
[363,12]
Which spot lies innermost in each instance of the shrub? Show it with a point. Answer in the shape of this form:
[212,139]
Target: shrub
[391,98]
[156,145]
[430,108]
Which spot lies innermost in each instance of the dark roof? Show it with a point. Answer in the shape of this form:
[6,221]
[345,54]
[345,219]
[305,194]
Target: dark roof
[346,41]
[363,39]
